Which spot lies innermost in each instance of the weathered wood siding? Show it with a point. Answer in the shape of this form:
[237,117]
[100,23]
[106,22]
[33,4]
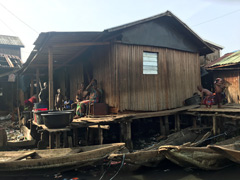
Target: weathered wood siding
[119,71]
[75,78]
[231,79]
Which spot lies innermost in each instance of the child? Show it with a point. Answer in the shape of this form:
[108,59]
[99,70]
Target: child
[208,96]
[219,86]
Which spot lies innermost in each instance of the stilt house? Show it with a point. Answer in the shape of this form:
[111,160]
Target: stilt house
[147,65]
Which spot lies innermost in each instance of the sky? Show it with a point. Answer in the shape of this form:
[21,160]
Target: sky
[214,20]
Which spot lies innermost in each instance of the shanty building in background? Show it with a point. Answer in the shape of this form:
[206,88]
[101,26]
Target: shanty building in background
[10,63]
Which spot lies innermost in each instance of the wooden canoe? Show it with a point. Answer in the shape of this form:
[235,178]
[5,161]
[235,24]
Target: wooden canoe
[195,157]
[231,151]
[55,159]
[152,157]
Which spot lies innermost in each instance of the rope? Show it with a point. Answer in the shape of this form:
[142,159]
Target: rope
[109,164]
[116,172]
[119,168]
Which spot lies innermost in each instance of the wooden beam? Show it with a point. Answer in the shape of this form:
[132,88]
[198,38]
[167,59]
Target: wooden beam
[50,79]
[80,44]
[8,61]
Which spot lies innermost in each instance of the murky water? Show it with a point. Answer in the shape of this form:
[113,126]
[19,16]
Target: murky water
[167,171]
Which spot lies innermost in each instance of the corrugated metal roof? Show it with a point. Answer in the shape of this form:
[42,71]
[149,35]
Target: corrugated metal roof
[10,41]
[217,60]
[228,60]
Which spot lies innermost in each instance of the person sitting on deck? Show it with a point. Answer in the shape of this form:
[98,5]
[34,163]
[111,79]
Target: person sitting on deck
[207,96]
[82,94]
[93,98]
[29,103]
[219,87]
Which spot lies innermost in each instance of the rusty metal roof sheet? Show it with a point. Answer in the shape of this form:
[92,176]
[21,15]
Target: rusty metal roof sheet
[226,60]
[10,41]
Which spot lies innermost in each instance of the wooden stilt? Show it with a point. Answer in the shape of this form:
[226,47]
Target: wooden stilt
[162,127]
[194,122]
[57,135]
[100,135]
[70,144]
[177,122]
[128,139]
[86,136]
[121,132]
[50,140]
[65,139]
[166,124]
[214,118]
[75,137]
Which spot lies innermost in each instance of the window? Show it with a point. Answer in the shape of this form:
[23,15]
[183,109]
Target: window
[150,63]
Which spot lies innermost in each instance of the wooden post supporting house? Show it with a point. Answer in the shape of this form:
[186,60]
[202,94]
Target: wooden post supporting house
[126,134]
[214,124]
[31,88]
[50,78]
[195,122]
[166,124]
[177,122]
[37,82]
[100,134]
[162,127]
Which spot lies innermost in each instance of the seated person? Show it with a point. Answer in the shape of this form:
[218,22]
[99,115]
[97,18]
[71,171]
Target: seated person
[67,104]
[93,98]
[207,96]
[29,103]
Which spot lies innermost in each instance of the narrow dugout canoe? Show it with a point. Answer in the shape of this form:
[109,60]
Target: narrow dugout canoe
[231,151]
[195,157]
[54,159]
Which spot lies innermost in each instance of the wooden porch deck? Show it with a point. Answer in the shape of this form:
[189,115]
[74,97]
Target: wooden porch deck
[125,121]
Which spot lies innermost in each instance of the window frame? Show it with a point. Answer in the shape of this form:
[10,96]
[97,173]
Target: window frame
[150,62]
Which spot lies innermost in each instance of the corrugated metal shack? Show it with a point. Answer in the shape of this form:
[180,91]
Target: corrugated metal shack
[148,65]
[227,67]
[10,63]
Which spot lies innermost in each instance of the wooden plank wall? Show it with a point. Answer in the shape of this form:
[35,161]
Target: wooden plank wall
[119,71]
[178,77]
[231,79]
[75,78]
